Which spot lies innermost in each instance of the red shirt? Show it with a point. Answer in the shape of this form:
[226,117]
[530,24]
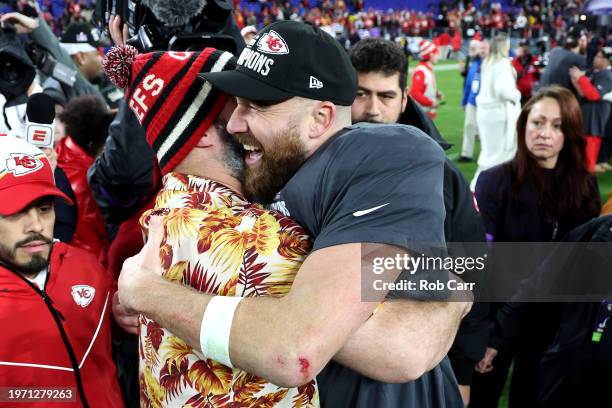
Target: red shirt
[90,233]
[32,351]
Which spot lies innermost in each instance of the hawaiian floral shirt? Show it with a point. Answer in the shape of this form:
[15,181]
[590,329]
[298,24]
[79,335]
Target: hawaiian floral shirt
[217,242]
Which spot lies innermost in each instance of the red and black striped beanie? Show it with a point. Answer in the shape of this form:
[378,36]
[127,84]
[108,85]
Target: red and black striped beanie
[172,103]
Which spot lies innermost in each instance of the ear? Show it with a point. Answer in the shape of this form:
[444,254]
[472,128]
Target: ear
[79,58]
[322,119]
[404,99]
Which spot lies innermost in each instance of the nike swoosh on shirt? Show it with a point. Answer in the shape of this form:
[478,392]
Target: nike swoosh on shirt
[369,210]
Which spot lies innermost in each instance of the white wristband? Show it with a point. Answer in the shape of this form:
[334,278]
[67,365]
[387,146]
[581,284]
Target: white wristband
[216,327]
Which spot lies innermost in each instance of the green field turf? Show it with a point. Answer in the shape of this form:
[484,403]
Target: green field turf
[450,123]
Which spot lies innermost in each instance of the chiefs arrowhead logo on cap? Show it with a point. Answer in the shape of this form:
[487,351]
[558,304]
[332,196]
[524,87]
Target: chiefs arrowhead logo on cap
[21,164]
[83,294]
[272,43]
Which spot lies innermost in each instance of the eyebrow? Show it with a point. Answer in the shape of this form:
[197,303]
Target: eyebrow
[546,117]
[384,93]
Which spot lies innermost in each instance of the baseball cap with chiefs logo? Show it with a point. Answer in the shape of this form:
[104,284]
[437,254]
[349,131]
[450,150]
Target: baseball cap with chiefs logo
[25,175]
[289,58]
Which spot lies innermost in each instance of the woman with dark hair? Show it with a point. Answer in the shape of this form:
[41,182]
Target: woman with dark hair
[541,194]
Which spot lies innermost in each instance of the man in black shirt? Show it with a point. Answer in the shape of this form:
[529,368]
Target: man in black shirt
[345,185]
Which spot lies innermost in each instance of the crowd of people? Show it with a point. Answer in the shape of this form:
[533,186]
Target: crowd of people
[354,20]
[198,229]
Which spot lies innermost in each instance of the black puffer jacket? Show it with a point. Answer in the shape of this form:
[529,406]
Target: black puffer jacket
[122,177]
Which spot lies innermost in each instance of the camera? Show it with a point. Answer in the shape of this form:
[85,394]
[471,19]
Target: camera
[19,61]
[175,25]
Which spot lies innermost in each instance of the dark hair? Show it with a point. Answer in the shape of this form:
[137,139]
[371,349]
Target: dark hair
[575,196]
[571,42]
[378,55]
[86,119]
[606,52]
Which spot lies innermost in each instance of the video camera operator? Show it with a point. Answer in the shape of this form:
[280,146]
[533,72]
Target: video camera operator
[17,81]
[123,178]
[76,57]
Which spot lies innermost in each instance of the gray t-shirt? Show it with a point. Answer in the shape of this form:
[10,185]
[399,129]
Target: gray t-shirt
[379,184]
[560,61]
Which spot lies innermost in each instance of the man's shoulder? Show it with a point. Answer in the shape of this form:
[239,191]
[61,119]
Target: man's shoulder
[366,148]
[68,255]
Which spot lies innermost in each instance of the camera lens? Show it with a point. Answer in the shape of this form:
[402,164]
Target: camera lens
[11,72]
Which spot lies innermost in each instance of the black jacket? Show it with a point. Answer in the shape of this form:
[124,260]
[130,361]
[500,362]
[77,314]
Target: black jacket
[66,215]
[122,177]
[573,369]
[462,224]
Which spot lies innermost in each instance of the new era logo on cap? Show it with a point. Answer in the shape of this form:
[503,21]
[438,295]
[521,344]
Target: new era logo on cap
[21,164]
[315,83]
[272,43]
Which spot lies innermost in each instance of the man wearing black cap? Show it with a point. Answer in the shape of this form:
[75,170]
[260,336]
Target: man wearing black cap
[294,87]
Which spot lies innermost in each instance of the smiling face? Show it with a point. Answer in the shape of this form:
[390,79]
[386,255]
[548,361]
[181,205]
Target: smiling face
[272,138]
[543,134]
[379,98]
[26,237]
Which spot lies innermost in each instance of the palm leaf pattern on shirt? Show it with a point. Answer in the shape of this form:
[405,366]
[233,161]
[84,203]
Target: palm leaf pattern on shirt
[227,247]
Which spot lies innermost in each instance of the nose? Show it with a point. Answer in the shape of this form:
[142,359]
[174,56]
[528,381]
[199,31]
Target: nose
[547,131]
[237,123]
[33,221]
[373,106]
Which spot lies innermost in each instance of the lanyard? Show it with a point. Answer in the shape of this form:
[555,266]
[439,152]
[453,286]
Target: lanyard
[603,315]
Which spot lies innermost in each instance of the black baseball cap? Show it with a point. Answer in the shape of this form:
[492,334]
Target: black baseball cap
[80,37]
[289,58]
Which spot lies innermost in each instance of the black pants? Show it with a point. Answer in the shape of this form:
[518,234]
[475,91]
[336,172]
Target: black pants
[125,354]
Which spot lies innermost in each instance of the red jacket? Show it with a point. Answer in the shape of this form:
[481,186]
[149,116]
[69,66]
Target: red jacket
[90,231]
[32,350]
[526,74]
[423,87]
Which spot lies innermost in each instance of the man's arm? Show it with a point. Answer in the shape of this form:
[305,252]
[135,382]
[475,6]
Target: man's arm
[419,334]
[42,35]
[285,340]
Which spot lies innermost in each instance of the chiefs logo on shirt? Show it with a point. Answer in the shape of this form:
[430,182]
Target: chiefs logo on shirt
[272,43]
[83,294]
